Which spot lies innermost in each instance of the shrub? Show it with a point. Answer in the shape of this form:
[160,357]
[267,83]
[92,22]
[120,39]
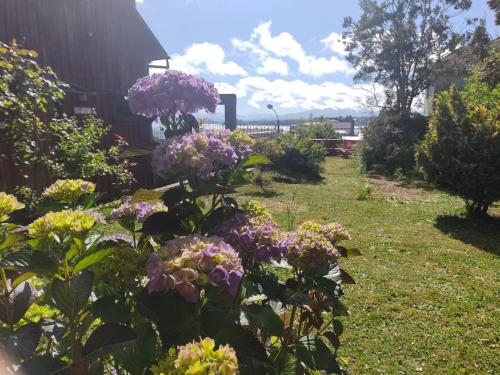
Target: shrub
[77,153]
[461,151]
[301,155]
[27,93]
[365,192]
[269,147]
[317,131]
[389,142]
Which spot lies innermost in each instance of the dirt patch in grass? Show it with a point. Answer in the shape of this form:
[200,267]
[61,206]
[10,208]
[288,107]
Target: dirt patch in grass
[387,188]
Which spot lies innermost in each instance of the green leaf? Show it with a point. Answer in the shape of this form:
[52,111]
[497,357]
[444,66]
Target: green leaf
[217,315]
[111,309]
[285,364]
[92,259]
[337,326]
[37,261]
[339,309]
[137,357]
[106,339]
[175,195]
[174,317]
[145,195]
[346,278]
[256,159]
[313,352]
[14,305]
[333,338]
[252,356]
[43,365]
[264,318]
[23,343]
[21,278]
[71,296]
[10,240]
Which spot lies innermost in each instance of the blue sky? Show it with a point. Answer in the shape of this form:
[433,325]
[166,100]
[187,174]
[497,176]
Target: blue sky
[285,52]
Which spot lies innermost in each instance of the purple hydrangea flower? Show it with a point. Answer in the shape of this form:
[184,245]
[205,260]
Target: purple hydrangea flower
[256,241]
[170,93]
[137,211]
[199,154]
[188,264]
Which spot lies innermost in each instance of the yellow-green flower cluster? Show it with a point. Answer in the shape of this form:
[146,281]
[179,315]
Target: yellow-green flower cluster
[199,358]
[334,232]
[257,211]
[68,191]
[122,267]
[309,248]
[58,225]
[8,204]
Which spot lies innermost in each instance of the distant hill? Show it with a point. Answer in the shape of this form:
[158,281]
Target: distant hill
[292,116]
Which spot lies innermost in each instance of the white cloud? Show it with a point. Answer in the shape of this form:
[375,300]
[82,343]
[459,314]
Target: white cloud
[272,65]
[335,43]
[206,58]
[297,93]
[263,44]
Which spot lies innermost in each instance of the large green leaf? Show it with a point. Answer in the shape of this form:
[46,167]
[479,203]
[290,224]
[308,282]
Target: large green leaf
[23,343]
[175,195]
[14,305]
[39,262]
[252,356]
[285,364]
[346,278]
[256,159]
[264,318]
[107,339]
[10,240]
[22,278]
[111,309]
[43,365]
[218,315]
[314,353]
[174,317]
[92,259]
[71,296]
[137,357]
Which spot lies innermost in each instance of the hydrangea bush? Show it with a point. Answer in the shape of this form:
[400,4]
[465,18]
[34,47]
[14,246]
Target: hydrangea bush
[172,97]
[216,285]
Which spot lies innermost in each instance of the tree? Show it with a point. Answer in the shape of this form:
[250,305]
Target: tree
[495,6]
[389,142]
[395,43]
[461,150]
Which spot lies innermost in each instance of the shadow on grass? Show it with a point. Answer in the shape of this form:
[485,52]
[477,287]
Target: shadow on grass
[405,182]
[262,194]
[286,175]
[483,233]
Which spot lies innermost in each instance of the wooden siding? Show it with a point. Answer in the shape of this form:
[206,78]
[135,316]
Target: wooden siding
[99,47]
[96,45]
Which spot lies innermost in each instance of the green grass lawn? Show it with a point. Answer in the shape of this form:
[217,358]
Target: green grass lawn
[427,298]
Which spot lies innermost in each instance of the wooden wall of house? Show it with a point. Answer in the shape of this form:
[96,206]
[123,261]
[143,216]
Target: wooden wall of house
[99,47]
